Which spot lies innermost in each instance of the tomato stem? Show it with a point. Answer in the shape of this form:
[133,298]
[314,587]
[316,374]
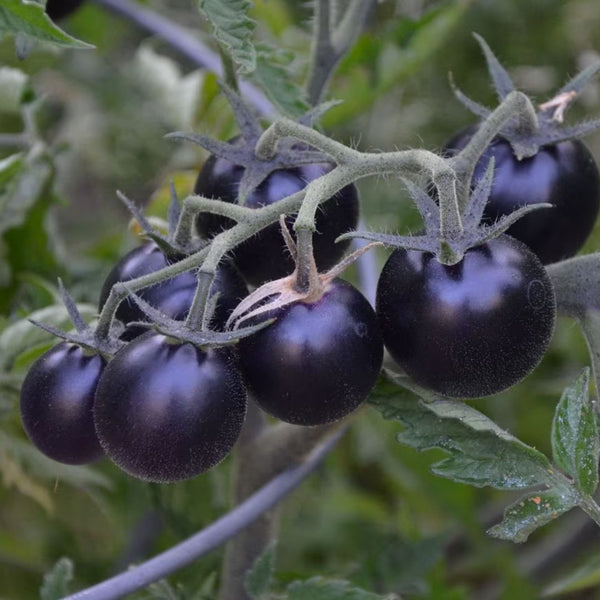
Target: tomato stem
[516,104]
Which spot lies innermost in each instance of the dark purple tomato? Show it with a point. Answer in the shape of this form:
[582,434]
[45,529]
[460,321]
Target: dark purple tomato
[57,397]
[173,297]
[167,411]
[264,257]
[318,361]
[470,329]
[58,9]
[564,175]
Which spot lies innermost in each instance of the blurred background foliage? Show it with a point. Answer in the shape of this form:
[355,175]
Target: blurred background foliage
[373,514]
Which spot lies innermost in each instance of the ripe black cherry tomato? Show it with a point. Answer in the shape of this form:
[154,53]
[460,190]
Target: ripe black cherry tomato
[56,404]
[167,411]
[318,361]
[564,175]
[58,9]
[471,329]
[174,296]
[264,257]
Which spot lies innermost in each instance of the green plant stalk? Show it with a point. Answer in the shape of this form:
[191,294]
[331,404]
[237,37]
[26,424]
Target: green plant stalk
[330,43]
[352,165]
[261,457]
[516,104]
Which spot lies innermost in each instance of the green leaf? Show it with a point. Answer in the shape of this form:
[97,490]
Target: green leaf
[233,29]
[575,442]
[273,76]
[532,511]
[23,335]
[29,19]
[258,578]
[319,588]
[56,581]
[481,454]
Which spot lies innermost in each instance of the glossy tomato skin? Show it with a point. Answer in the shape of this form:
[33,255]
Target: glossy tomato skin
[167,411]
[471,329]
[564,175]
[59,9]
[173,297]
[56,404]
[264,257]
[318,361]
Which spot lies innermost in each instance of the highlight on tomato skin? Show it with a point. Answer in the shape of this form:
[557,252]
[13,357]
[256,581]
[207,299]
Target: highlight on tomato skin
[264,256]
[564,175]
[167,411]
[318,362]
[471,329]
[56,403]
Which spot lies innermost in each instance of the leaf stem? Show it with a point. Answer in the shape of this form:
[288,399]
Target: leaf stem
[330,43]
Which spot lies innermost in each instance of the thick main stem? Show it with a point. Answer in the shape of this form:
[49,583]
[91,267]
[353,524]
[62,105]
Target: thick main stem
[261,457]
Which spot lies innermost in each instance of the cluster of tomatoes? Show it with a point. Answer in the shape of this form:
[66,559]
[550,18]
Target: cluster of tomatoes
[164,409]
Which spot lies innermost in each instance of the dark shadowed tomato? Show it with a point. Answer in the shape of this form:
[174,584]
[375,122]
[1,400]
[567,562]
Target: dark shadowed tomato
[56,404]
[264,257]
[471,329]
[564,175]
[173,297]
[58,9]
[167,411]
[318,361]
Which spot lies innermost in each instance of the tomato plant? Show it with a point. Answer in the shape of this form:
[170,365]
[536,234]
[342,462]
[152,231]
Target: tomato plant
[57,397]
[166,411]
[316,101]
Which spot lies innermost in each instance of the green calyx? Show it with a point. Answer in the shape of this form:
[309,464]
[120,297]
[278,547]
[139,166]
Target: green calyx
[525,140]
[241,150]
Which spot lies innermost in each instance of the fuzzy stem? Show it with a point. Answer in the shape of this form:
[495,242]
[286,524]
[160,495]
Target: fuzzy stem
[266,147]
[196,317]
[321,52]
[516,104]
[306,269]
